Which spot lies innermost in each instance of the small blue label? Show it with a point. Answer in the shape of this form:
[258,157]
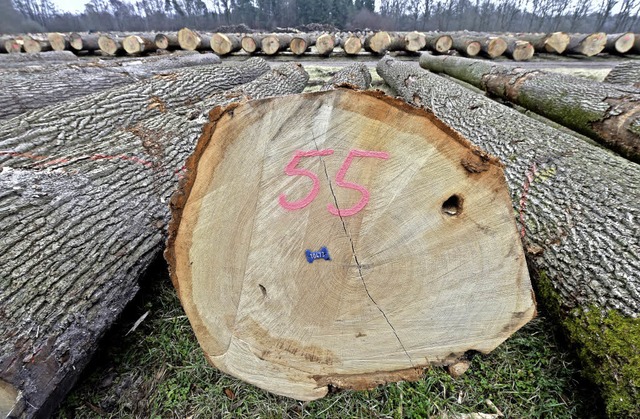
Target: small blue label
[323,253]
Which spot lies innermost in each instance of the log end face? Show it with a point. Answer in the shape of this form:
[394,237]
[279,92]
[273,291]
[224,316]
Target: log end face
[188,39]
[57,41]
[161,41]
[9,398]
[108,45]
[248,44]
[75,41]
[625,42]
[444,44]
[352,45]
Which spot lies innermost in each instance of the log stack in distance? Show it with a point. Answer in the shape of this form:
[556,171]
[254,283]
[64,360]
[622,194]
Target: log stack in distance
[366,237]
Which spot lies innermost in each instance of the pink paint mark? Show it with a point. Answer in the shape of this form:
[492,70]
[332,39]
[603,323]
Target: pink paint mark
[523,198]
[364,199]
[291,170]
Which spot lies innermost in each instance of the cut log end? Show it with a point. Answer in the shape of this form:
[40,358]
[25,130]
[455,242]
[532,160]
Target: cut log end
[108,45]
[313,284]
[472,49]
[352,45]
[443,44]
[57,41]
[223,44]
[325,44]
[522,51]
[496,47]
[415,41]
[249,44]
[298,45]
[378,43]
[189,39]
[557,42]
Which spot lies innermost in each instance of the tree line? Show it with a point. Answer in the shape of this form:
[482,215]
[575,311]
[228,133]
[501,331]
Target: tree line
[447,15]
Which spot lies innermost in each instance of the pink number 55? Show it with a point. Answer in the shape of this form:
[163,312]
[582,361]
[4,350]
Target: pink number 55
[291,170]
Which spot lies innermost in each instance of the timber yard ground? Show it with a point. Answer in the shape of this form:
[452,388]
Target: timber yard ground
[158,369]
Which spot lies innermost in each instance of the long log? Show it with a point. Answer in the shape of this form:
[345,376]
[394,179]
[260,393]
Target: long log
[58,41]
[139,44]
[193,41]
[323,312]
[110,44]
[626,73]
[381,42]
[251,43]
[355,76]
[439,42]
[619,43]
[466,46]
[577,207]
[518,50]
[65,281]
[103,113]
[84,42]
[555,42]
[37,87]
[352,44]
[167,41]
[301,43]
[415,41]
[34,46]
[587,44]
[273,43]
[50,57]
[607,113]
[223,44]
[325,44]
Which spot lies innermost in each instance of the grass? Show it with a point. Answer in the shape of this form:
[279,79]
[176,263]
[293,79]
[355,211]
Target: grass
[159,371]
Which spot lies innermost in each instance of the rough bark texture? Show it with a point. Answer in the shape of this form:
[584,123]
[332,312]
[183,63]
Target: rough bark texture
[577,206]
[587,44]
[224,44]
[607,113]
[36,87]
[21,60]
[356,77]
[35,135]
[619,43]
[66,280]
[627,73]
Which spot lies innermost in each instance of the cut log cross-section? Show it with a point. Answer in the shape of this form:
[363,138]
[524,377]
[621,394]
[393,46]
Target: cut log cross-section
[224,44]
[587,44]
[367,274]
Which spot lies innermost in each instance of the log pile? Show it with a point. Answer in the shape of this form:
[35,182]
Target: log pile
[517,46]
[577,207]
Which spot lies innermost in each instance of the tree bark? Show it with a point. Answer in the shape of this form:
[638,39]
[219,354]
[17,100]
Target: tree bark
[555,42]
[607,113]
[139,44]
[577,207]
[22,60]
[305,324]
[58,41]
[84,42]
[167,41]
[57,304]
[587,44]
[273,43]
[105,112]
[301,43]
[355,76]
[193,41]
[626,73]
[438,42]
[619,43]
[37,87]
[223,44]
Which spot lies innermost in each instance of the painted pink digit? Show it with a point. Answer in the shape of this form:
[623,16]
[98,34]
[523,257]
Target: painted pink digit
[349,185]
[292,171]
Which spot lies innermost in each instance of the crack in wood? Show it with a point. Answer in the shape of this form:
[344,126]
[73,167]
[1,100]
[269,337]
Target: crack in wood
[355,257]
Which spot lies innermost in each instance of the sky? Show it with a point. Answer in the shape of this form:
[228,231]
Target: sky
[70,5]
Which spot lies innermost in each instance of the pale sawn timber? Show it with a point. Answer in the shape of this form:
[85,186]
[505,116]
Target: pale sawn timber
[355,76]
[626,73]
[351,299]
[92,117]
[577,206]
[607,113]
[65,281]
[36,87]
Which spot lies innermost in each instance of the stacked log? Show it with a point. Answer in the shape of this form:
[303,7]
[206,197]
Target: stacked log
[58,41]
[33,46]
[273,43]
[619,43]
[325,44]
[110,44]
[438,42]
[381,42]
[518,50]
[607,113]
[555,42]
[466,46]
[193,41]
[139,44]
[168,41]
[577,206]
[115,184]
[223,44]
[251,43]
[352,44]
[415,41]
[301,43]
[46,85]
[84,42]
[587,44]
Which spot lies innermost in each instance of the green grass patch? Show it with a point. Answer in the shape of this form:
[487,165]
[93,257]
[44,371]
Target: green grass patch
[159,371]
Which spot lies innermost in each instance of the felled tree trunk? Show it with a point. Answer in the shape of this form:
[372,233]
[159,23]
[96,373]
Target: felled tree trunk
[251,43]
[619,43]
[33,46]
[438,42]
[381,42]
[224,44]
[116,110]
[12,46]
[36,87]
[466,46]
[577,207]
[587,44]
[271,44]
[325,44]
[355,76]
[21,60]
[352,45]
[415,41]
[139,44]
[110,44]
[555,42]
[67,280]
[167,41]
[84,42]
[58,41]
[518,50]
[607,113]
[625,73]
[308,301]
[193,41]
[301,43]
